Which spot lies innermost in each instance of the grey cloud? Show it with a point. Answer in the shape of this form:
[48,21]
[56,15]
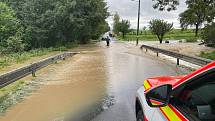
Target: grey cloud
[127,9]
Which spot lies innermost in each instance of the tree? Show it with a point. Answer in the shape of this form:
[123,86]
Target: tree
[165,4]
[170,5]
[116,20]
[10,30]
[188,18]
[49,23]
[124,26]
[144,29]
[8,23]
[160,28]
[208,34]
[204,7]
[102,28]
[197,13]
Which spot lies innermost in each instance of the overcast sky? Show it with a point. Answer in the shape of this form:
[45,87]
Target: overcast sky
[127,9]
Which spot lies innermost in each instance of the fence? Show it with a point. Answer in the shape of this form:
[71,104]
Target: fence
[191,59]
[10,77]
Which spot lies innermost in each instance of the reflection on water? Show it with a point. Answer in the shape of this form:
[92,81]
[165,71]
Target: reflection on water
[108,102]
[93,110]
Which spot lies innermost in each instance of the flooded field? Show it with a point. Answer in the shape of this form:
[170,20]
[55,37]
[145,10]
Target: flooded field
[99,85]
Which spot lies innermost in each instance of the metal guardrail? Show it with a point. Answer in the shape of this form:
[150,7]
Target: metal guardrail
[10,77]
[191,59]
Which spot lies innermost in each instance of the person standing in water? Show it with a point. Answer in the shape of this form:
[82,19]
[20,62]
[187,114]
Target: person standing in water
[108,41]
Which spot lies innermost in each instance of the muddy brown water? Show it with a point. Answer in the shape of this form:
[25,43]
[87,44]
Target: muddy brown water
[99,73]
[68,86]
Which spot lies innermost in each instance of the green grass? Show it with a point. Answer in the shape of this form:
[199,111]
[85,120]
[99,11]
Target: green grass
[16,58]
[9,88]
[15,93]
[9,59]
[208,55]
[6,98]
[175,34]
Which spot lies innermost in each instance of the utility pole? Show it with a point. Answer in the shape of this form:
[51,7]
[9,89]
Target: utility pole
[138,24]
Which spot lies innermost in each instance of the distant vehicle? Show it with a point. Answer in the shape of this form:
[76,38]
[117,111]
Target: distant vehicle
[182,98]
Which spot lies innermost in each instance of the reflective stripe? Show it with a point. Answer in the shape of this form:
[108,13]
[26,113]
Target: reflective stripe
[170,112]
[146,85]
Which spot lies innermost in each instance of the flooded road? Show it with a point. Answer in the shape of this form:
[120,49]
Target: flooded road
[128,67]
[111,75]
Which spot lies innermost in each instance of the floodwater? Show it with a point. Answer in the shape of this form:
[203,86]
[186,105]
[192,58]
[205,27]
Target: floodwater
[128,67]
[104,77]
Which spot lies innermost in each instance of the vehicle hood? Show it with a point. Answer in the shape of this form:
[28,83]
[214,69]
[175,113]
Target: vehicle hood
[177,80]
[153,82]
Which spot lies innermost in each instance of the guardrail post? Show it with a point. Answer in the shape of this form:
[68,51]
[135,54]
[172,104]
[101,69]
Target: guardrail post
[33,74]
[55,61]
[178,61]
[146,50]
[64,58]
[33,70]
[157,54]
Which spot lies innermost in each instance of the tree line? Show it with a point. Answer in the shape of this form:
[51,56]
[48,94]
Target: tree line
[30,24]
[157,27]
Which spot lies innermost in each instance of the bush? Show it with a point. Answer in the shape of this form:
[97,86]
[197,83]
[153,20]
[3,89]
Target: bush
[15,44]
[208,55]
[191,40]
[208,35]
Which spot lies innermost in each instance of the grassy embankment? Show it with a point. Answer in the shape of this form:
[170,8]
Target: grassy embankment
[175,34]
[17,58]
[208,55]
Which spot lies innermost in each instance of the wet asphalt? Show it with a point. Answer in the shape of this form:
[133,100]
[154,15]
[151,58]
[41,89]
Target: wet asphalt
[128,67]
